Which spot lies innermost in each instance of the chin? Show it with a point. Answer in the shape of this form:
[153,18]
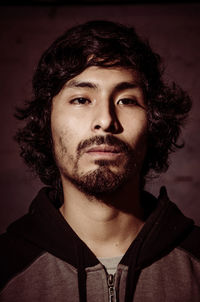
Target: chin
[101,181]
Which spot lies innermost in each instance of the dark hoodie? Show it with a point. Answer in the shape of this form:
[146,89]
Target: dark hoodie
[42,259]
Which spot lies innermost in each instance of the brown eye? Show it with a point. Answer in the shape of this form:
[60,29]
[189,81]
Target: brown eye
[127,101]
[80,101]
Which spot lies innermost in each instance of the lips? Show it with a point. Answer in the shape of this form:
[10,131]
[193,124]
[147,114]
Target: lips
[104,149]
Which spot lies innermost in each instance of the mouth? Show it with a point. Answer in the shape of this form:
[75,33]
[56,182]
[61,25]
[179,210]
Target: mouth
[104,150]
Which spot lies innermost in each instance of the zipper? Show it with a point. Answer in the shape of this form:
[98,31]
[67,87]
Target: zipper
[111,288]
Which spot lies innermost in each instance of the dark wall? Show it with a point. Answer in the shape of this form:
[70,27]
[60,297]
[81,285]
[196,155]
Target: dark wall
[26,31]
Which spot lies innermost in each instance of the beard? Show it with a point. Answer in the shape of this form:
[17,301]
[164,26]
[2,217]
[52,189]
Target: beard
[110,175]
[102,180]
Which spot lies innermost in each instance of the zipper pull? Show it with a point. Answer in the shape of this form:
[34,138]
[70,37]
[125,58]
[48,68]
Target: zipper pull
[111,288]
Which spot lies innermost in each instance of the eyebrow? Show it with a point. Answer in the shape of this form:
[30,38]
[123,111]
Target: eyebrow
[119,87]
[126,85]
[74,83]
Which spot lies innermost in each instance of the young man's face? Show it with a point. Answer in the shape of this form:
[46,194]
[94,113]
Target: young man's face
[99,126]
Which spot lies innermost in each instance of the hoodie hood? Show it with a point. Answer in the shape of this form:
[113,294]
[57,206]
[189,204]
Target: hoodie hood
[46,228]
[164,229]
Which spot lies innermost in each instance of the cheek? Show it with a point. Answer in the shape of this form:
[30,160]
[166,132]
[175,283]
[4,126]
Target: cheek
[61,125]
[136,130]
[60,136]
[67,133]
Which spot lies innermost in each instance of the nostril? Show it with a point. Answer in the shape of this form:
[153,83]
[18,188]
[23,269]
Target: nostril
[113,128]
[97,127]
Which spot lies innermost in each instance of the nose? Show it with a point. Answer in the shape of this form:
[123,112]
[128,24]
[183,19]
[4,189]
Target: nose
[105,119]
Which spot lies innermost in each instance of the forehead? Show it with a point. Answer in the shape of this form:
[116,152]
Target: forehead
[105,76]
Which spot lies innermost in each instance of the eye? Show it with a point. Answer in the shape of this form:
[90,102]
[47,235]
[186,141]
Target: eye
[80,101]
[127,101]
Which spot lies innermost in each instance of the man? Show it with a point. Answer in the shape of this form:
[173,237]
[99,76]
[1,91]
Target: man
[100,121]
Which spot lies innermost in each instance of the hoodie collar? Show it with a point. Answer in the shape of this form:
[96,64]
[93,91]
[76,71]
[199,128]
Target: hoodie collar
[163,230]
[46,228]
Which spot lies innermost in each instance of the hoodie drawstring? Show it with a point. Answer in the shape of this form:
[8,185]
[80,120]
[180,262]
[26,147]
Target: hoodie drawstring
[82,284]
[81,272]
[133,274]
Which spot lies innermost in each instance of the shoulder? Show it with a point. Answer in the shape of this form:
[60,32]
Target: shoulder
[15,255]
[191,243]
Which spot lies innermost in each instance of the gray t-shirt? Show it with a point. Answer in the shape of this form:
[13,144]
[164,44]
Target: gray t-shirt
[110,264]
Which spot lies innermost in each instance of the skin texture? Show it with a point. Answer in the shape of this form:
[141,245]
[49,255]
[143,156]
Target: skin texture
[99,126]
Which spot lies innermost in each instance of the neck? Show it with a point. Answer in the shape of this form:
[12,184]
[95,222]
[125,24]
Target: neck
[107,224]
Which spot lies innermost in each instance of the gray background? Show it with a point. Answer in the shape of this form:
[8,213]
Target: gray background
[26,31]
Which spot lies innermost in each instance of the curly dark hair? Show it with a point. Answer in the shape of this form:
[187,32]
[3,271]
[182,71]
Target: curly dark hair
[106,44]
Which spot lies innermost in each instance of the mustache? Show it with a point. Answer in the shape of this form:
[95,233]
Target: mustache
[104,140]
